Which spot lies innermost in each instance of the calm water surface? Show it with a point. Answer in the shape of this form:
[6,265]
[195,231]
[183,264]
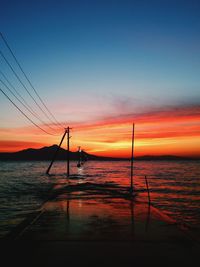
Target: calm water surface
[174,186]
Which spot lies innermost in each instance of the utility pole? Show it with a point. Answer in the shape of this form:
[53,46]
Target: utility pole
[67,131]
[132,154]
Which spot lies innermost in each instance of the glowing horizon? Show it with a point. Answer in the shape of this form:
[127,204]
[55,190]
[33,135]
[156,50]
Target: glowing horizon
[172,131]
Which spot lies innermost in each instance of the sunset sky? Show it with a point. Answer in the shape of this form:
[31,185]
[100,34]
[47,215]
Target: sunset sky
[100,66]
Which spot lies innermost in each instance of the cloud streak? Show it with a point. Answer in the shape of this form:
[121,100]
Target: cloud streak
[175,129]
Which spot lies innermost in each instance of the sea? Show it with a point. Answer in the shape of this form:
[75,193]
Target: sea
[174,186]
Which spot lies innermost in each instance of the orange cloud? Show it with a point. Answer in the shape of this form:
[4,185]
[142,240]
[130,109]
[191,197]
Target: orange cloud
[173,130]
[12,145]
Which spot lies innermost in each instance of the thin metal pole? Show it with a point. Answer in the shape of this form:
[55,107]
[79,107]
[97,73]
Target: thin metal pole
[133,133]
[68,155]
[68,149]
[54,157]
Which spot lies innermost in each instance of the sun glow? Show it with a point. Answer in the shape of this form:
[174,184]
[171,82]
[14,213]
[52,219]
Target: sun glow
[160,133]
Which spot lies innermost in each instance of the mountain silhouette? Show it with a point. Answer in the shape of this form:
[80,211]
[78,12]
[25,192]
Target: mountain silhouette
[47,153]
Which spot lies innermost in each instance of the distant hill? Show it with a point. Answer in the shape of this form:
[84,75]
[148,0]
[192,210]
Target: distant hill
[46,153]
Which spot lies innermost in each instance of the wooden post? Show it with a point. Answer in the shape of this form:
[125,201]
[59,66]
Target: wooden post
[68,153]
[133,132]
[48,170]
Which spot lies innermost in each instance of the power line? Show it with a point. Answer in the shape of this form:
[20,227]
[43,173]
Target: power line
[24,113]
[7,62]
[19,65]
[24,101]
[26,107]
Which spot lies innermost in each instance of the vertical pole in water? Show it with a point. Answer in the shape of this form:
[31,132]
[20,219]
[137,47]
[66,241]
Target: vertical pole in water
[68,156]
[79,157]
[133,132]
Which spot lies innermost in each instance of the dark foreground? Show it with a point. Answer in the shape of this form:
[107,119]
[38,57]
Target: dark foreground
[95,225]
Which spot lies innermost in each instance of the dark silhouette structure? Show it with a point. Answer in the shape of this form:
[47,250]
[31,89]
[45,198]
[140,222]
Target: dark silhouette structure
[67,130]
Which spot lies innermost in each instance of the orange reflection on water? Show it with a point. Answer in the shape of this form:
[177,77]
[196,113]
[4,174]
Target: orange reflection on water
[174,185]
[95,217]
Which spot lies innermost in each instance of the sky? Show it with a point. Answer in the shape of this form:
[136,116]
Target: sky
[101,66]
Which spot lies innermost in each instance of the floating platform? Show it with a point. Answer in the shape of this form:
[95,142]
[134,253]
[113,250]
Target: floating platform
[101,225]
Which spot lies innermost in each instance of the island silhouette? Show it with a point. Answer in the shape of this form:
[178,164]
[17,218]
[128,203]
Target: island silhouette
[46,153]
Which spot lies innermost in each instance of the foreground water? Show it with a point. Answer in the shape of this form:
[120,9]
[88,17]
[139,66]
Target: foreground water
[174,186]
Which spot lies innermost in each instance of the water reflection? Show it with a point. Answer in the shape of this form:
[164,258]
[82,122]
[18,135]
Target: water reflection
[94,218]
[174,186]
[148,218]
[132,219]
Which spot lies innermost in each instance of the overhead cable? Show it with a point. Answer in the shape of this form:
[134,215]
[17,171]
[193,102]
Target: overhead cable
[26,107]
[19,65]
[24,113]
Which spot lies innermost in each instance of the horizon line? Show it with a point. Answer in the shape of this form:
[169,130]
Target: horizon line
[114,157]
